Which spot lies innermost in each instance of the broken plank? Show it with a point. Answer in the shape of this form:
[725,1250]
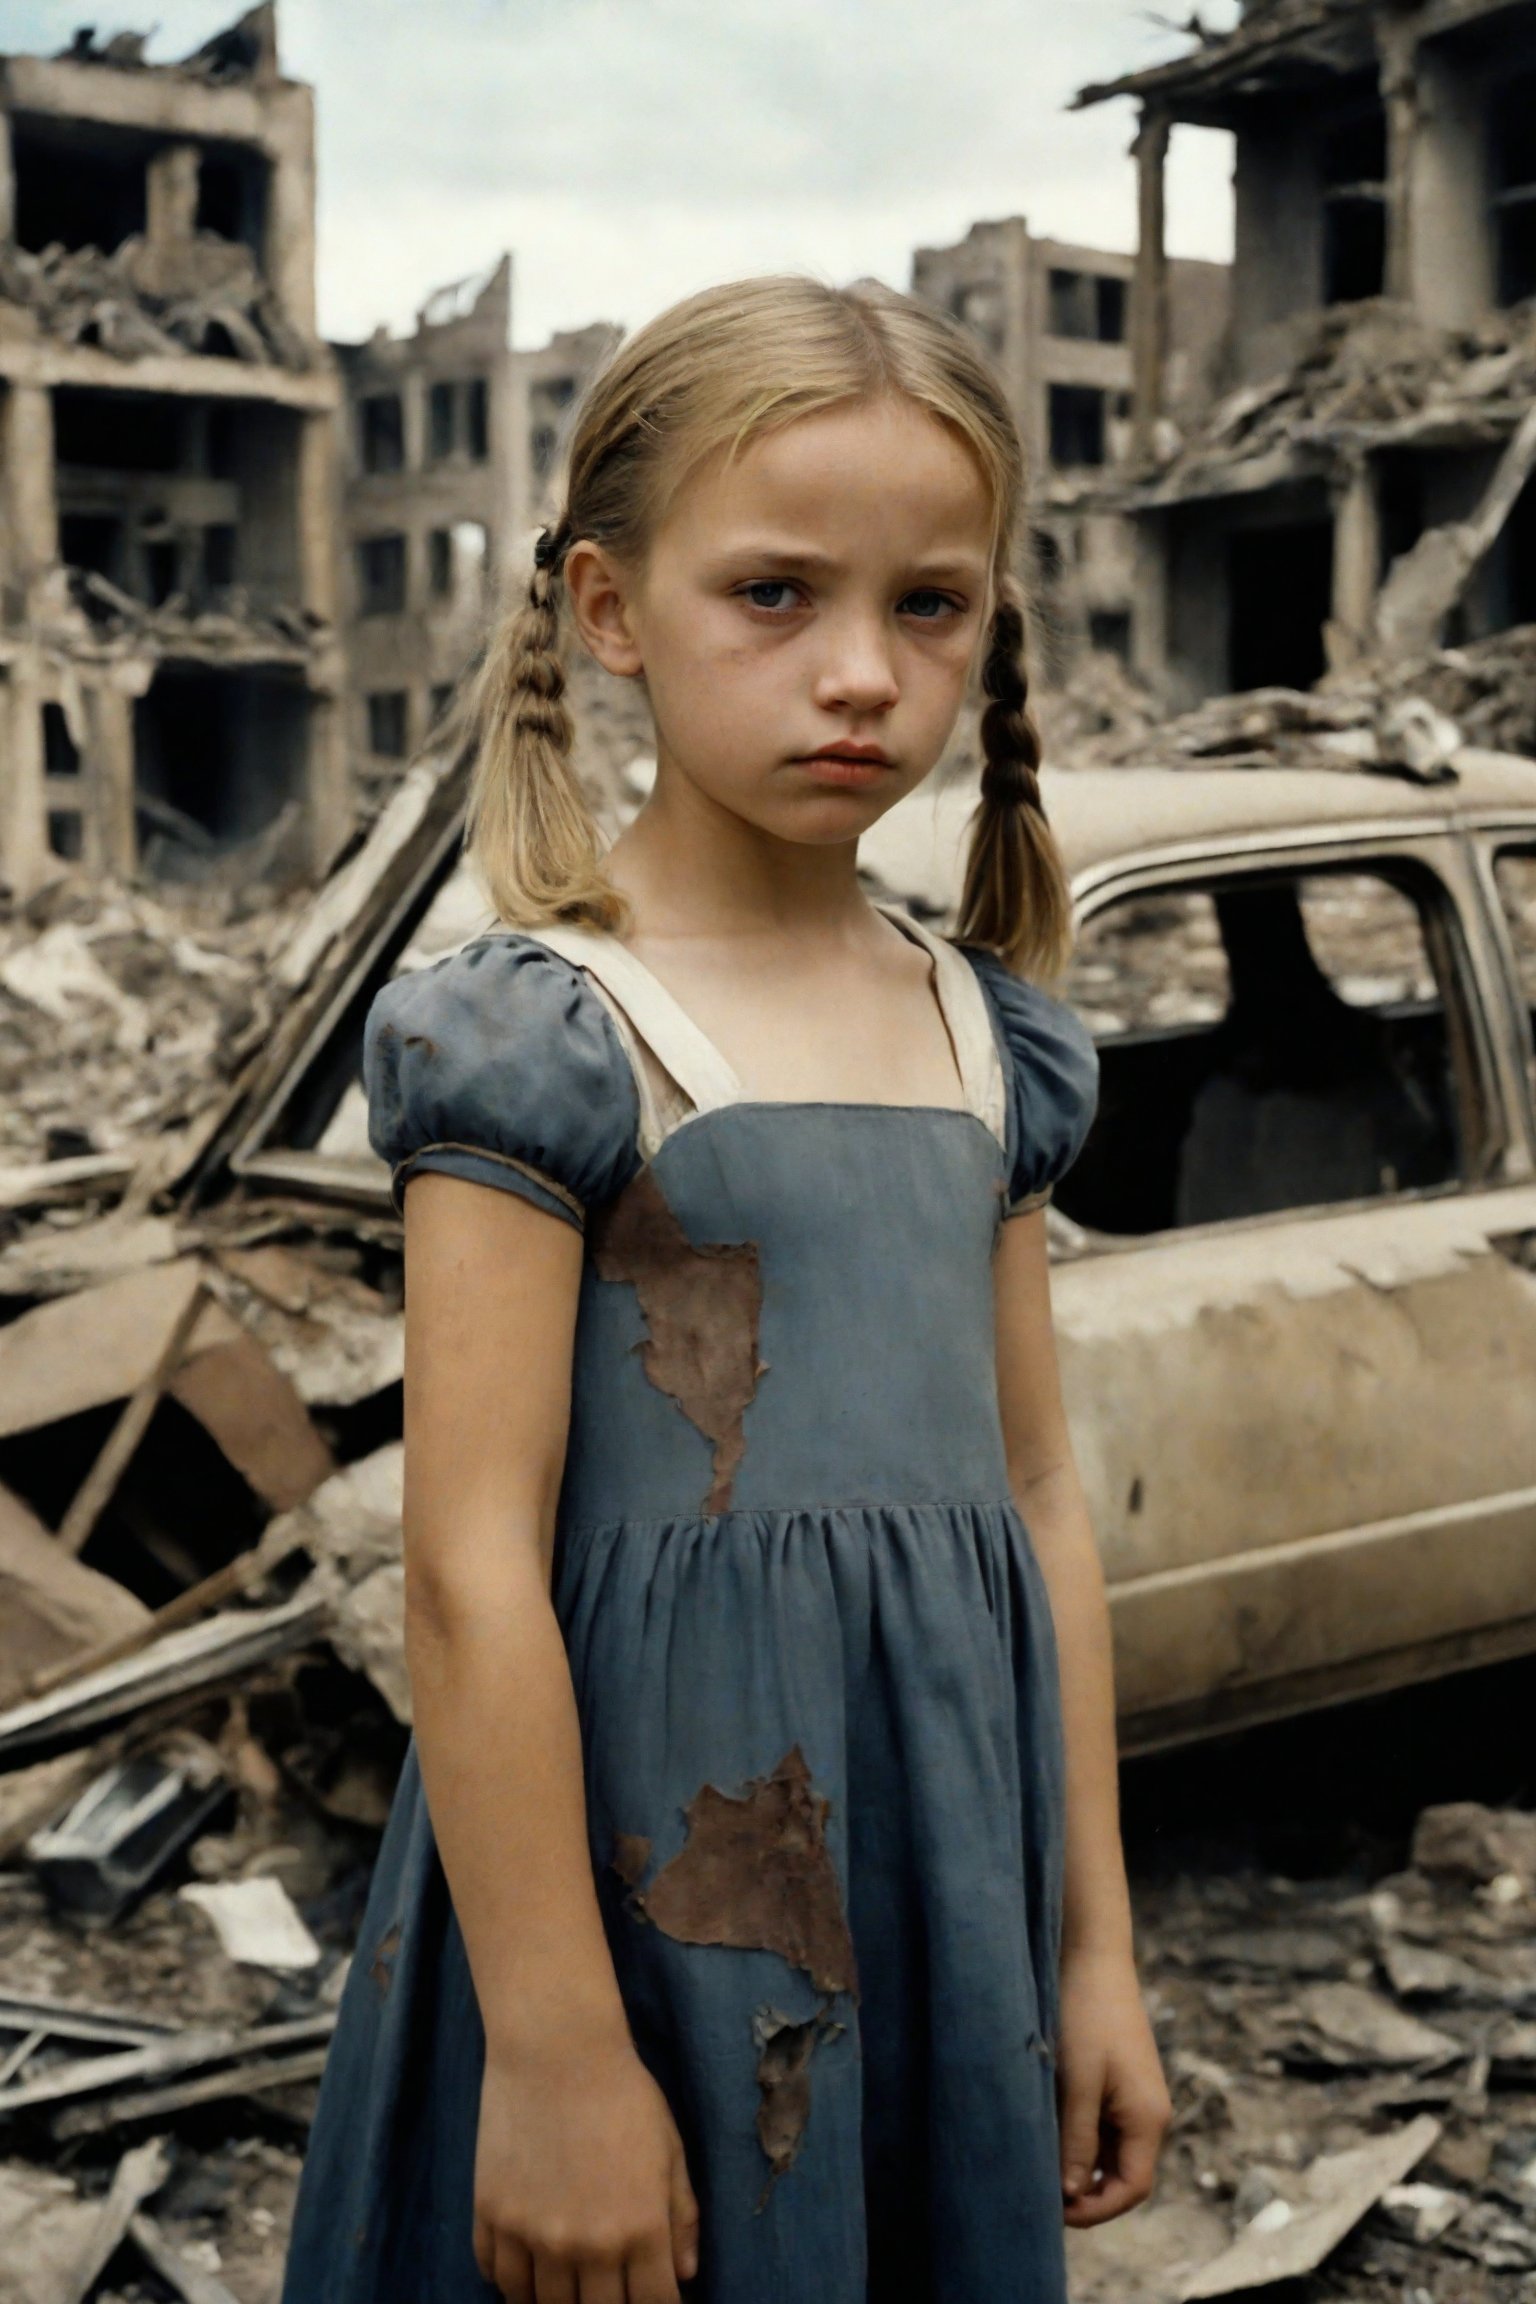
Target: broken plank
[140,2174]
[94,1492]
[191,2283]
[89,1349]
[52,1609]
[79,2020]
[227,1583]
[208,2088]
[160,2060]
[197,1657]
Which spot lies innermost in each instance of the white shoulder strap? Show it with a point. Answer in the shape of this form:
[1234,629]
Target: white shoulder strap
[653,1015]
[963,1005]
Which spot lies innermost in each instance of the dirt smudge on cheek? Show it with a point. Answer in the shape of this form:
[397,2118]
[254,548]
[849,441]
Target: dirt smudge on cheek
[702,1309]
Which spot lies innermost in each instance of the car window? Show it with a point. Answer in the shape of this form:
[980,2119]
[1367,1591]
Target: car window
[1266,1042]
[1153,961]
[1515,871]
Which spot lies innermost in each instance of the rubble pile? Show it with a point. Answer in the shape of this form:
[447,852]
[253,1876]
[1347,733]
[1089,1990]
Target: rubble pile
[203,1711]
[1369,372]
[1354,2074]
[123,1016]
[1405,720]
[131,304]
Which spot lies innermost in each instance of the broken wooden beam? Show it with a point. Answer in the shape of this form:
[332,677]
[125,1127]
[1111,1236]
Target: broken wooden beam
[94,1492]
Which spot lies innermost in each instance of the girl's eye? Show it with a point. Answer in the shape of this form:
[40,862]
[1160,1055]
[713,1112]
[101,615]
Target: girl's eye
[771,592]
[928,607]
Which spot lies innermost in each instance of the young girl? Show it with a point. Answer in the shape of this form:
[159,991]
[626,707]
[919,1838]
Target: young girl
[766,1938]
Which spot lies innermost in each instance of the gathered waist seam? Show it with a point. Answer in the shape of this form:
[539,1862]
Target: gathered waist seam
[860,1507]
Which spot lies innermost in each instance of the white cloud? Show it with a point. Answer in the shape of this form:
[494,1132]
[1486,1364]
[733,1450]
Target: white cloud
[631,150]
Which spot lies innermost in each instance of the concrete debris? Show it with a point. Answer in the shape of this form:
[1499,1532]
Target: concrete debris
[1366,374]
[1333,2127]
[256,1922]
[129,304]
[1286,2239]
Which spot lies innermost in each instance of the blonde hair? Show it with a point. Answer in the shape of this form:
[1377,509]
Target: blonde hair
[718,371]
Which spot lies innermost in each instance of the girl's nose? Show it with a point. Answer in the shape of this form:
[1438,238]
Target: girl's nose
[858,670]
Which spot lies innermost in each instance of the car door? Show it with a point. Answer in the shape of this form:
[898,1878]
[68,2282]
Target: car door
[1297,1335]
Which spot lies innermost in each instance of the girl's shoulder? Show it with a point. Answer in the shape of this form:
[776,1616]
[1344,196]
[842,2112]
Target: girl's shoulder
[1051,1067]
[499,1063]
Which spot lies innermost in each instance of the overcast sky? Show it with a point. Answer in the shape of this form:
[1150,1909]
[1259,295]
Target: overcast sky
[629,151]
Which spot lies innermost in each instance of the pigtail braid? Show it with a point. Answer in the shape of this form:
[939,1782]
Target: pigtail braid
[1015,899]
[529,827]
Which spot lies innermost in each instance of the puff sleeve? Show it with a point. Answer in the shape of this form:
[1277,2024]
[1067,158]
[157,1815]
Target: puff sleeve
[1051,1067]
[500,1064]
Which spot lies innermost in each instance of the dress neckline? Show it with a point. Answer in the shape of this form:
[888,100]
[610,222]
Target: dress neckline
[709,1081]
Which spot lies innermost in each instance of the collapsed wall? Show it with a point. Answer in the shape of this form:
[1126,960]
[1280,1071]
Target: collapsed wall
[169,677]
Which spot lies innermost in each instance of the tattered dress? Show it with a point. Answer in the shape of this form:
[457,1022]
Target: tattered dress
[811,1646]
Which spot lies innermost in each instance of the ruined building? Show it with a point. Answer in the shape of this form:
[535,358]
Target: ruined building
[451,441]
[1365,489]
[169,680]
[1055,320]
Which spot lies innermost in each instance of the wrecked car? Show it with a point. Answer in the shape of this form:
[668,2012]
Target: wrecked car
[1295,1277]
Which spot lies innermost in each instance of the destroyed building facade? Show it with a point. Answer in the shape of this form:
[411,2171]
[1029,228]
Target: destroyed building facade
[1365,487]
[452,440]
[1054,319]
[170,683]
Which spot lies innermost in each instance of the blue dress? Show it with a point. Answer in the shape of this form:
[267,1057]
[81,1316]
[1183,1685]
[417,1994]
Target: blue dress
[811,1646]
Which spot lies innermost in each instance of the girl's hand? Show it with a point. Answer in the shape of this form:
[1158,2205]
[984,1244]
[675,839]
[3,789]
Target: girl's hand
[1113,2101]
[581,2191]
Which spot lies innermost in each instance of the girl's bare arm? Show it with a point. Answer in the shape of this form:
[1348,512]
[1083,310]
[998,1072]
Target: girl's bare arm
[1114,2103]
[580,2186]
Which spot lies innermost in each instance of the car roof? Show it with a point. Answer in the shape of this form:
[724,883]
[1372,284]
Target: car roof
[1108,815]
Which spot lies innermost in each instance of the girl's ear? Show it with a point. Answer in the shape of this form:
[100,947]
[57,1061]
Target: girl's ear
[596,589]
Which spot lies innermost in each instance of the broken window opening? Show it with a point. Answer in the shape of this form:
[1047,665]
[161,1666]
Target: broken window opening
[381,575]
[440,428]
[117,431]
[232,195]
[219,555]
[440,700]
[78,185]
[61,754]
[387,716]
[1353,162]
[217,755]
[1086,307]
[66,834]
[1077,425]
[93,541]
[1070,299]
[1512,170]
[542,443]
[162,569]
[1109,632]
[1280,590]
[477,419]
[1303,1038]
[381,430]
[440,563]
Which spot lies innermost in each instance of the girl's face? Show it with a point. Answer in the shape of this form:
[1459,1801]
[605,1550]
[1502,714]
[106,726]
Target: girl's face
[806,617]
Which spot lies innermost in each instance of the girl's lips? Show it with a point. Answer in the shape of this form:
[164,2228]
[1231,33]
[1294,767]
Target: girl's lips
[840,768]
